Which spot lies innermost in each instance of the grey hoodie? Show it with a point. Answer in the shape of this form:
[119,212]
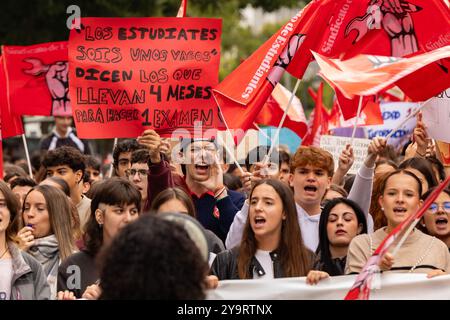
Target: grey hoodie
[28,281]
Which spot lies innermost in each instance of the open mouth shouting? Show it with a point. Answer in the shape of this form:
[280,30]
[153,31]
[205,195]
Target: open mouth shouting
[202,169]
[400,211]
[441,222]
[259,222]
[310,190]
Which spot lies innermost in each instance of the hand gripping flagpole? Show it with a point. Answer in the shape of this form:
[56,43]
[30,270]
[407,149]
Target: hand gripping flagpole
[280,125]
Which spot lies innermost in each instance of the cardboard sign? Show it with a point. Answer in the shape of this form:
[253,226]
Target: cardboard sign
[436,116]
[131,74]
[395,113]
[335,145]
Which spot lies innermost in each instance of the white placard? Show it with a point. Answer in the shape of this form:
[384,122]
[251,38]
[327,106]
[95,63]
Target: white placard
[335,145]
[436,117]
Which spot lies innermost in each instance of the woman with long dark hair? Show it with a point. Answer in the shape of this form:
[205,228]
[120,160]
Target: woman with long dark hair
[116,203]
[272,245]
[341,220]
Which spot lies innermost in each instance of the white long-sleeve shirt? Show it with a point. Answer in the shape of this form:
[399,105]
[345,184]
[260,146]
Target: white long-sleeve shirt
[309,224]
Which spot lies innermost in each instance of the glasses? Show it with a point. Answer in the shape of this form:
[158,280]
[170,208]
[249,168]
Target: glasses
[132,172]
[434,208]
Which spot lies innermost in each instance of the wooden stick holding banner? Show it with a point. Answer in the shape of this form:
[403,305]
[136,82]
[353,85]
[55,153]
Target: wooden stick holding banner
[233,158]
[277,132]
[112,164]
[27,154]
[358,114]
[421,105]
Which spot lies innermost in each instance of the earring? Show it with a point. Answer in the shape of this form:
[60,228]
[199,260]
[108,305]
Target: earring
[100,225]
[382,209]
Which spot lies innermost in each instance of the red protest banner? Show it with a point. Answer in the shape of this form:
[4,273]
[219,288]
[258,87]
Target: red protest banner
[37,79]
[131,74]
[11,124]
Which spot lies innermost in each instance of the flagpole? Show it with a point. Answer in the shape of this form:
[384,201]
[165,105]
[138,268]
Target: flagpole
[277,133]
[27,154]
[182,10]
[233,158]
[421,105]
[261,131]
[112,164]
[358,114]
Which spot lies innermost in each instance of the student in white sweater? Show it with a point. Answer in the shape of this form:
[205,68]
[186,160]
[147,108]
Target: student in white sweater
[312,169]
[421,253]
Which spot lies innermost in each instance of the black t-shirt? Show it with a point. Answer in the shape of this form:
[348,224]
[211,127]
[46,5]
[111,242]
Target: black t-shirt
[77,272]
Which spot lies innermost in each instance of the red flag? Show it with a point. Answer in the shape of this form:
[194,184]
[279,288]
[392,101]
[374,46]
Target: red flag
[38,79]
[318,120]
[366,75]
[386,28]
[361,288]
[11,124]
[242,94]
[273,111]
[370,115]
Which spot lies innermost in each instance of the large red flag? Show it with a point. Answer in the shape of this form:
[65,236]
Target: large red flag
[11,124]
[242,94]
[38,79]
[385,27]
[388,28]
[318,120]
[366,75]
[273,111]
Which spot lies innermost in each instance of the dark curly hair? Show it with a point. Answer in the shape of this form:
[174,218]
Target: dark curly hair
[65,155]
[152,258]
[128,145]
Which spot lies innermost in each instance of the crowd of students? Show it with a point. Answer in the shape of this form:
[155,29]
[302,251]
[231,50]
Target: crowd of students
[73,234]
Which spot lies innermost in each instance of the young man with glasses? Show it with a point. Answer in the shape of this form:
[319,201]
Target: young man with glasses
[138,172]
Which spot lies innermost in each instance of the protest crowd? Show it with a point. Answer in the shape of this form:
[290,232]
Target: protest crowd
[175,216]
